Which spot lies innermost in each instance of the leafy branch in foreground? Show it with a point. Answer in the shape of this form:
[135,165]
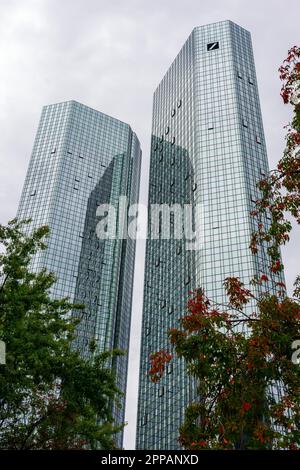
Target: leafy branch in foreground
[51,397]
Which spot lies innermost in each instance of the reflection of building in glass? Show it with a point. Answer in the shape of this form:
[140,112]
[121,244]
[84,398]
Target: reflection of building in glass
[207,105]
[169,276]
[82,158]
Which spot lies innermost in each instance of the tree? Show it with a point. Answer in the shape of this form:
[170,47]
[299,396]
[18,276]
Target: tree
[50,396]
[280,190]
[248,387]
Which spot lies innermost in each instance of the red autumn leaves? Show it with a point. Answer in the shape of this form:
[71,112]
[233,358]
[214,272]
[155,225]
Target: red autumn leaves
[246,407]
[280,190]
[289,74]
[237,293]
[158,361]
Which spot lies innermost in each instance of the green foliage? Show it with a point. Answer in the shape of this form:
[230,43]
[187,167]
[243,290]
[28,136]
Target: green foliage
[51,397]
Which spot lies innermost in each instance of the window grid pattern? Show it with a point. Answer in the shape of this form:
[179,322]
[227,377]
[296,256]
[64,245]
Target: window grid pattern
[82,158]
[207,148]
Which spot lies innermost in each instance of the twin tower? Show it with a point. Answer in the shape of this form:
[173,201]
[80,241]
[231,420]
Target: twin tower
[208,151]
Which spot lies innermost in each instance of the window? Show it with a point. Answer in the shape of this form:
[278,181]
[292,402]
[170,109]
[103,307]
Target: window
[173,140]
[187,280]
[173,112]
[53,151]
[170,309]
[161,392]
[33,193]
[167,130]
[194,187]
[239,74]
[210,127]
[179,103]
[211,46]
[258,139]
[250,80]
[245,123]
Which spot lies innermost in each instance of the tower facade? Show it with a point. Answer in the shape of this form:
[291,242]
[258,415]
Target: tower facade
[81,160]
[208,149]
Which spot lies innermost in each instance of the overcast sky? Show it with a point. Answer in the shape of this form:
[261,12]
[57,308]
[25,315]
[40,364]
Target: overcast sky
[111,55]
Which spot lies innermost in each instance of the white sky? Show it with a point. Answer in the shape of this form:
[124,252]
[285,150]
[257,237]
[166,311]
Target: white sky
[111,55]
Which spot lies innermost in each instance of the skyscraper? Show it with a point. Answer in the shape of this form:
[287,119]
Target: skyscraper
[81,159]
[208,148]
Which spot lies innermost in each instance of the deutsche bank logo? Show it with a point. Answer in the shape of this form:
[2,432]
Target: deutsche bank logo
[212,46]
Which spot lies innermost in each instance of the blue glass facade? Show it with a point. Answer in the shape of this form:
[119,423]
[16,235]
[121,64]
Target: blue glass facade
[81,159]
[207,148]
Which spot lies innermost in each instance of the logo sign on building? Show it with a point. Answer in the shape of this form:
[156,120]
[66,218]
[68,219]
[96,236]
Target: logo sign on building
[211,46]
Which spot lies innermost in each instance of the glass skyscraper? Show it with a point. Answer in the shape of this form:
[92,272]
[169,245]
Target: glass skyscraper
[81,159]
[207,149]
